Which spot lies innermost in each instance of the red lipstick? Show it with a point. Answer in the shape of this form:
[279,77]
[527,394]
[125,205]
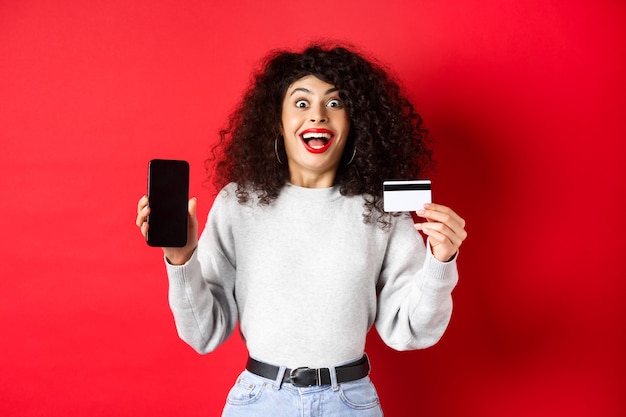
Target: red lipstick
[317,140]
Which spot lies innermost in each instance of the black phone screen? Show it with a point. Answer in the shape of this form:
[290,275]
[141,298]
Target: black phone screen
[168,195]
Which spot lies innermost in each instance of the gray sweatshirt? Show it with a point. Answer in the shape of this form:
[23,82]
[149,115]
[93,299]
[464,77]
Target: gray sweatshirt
[306,279]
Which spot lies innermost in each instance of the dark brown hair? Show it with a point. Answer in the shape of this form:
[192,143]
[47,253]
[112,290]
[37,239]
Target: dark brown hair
[390,140]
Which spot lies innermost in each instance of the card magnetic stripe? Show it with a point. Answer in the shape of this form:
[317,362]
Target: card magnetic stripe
[406,187]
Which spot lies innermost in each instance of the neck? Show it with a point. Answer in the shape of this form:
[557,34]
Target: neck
[313,180]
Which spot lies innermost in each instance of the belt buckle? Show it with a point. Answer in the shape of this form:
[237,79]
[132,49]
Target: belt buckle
[293,377]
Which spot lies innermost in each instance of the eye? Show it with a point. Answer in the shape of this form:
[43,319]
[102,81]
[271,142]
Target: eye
[302,104]
[336,103]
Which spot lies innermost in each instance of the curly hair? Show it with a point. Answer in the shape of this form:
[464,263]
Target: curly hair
[385,129]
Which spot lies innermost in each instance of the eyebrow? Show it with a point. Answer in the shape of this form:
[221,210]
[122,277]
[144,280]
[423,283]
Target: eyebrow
[306,90]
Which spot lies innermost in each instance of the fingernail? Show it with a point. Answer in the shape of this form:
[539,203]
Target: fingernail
[420,212]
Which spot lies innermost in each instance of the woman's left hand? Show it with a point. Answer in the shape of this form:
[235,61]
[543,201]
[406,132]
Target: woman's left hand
[444,228]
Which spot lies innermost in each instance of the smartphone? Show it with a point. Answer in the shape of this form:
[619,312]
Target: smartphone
[168,196]
[409,195]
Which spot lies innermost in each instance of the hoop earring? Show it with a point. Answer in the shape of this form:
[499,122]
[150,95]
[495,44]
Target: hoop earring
[352,158]
[276,152]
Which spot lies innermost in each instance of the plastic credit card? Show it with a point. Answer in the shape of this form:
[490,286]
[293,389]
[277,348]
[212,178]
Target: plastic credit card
[410,195]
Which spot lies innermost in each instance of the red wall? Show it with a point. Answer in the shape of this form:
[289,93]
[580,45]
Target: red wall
[525,100]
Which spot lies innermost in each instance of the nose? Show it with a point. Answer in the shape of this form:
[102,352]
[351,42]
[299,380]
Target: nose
[318,114]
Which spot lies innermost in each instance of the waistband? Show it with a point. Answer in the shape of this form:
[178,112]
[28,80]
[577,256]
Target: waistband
[308,377]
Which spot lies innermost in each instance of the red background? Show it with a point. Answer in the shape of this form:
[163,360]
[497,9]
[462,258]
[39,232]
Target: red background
[525,100]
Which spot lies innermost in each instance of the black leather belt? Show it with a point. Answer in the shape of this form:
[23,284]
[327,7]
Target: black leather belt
[308,377]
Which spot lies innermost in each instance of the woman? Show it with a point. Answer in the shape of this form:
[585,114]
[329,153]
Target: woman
[297,247]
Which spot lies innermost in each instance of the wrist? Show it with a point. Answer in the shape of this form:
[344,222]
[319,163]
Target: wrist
[178,258]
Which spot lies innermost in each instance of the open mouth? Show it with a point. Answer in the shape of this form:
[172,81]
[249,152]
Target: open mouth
[317,140]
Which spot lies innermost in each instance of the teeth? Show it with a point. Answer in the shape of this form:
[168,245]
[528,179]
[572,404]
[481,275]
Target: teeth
[316,136]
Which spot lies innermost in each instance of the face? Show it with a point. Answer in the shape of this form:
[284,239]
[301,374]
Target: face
[315,126]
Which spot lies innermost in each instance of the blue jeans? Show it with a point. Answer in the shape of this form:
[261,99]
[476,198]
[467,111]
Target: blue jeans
[255,396]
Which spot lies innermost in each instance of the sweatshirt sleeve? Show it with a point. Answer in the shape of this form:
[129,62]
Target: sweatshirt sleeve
[201,292]
[414,291]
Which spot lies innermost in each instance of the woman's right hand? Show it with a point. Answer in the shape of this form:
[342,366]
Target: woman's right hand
[175,256]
